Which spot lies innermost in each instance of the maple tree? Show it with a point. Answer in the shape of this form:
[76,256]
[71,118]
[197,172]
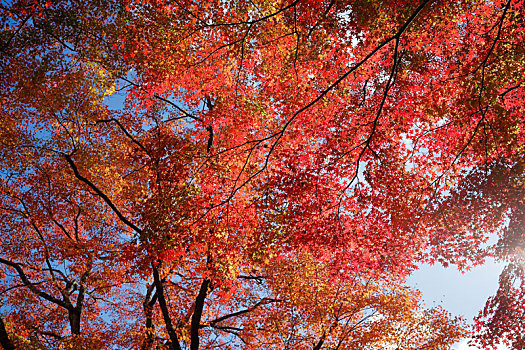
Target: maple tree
[274,171]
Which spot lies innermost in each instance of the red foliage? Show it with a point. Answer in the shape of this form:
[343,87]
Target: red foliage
[254,135]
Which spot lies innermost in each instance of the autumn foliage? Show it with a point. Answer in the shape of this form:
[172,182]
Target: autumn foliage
[256,174]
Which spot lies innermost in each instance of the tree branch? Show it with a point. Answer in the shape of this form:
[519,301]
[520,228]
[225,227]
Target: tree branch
[101,195]
[197,315]
[32,287]
[148,304]
[263,301]
[175,345]
[126,132]
[6,44]
[4,337]
[320,342]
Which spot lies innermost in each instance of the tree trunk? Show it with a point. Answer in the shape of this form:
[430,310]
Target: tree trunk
[74,321]
[197,314]
[150,327]
[4,338]
[175,344]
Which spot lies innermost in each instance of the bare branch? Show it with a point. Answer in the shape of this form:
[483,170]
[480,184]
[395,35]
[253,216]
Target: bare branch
[32,286]
[101,195]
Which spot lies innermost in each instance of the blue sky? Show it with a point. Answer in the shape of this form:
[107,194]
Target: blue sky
[462,294]
[464,346]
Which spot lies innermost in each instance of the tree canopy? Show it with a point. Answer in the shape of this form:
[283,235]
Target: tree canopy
[257,174]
